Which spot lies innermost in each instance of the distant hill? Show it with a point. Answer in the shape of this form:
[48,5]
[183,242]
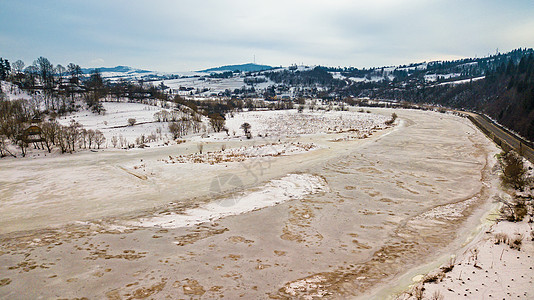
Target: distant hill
[117,69]
[242,68]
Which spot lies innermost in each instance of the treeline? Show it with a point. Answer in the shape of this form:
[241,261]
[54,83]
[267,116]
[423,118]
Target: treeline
[513,105]
[316,76]
[56,88]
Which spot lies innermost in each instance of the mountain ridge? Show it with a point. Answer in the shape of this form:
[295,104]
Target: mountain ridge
[248,67]
[118,69]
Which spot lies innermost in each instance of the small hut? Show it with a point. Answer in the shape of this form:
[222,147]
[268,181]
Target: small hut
[32,134]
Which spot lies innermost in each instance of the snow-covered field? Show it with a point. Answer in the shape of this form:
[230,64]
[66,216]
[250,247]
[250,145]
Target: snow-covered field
[114,122]
[116,114]
[497,264]
[13,92]
[271,124]
[457,82]
[211,85]
[435,77]
[291,123]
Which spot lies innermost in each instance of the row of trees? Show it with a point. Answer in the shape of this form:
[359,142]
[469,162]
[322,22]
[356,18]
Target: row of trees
[70,82]
[184,125]
[44,80]
[69,138]
[52,135]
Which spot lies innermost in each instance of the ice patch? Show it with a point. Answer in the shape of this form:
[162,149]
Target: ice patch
[448,212]
[290,187]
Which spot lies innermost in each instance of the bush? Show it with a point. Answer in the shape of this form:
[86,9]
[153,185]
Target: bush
[501,238]
[174,128]
[520,210]
[513,211]
[449,266]
[217,122]
[132,121]
[516,242]
[437,296]
[513,170]
[392,120]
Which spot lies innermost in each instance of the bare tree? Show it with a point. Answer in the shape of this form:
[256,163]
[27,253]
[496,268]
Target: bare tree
[174,128]
[96,90]
[63,139]
[100,139]
[23,146]
[3,146]
[75,72]
[217,122]
[60,73]
[18,66]
[90,137]
[73,134]
[184,125]
[196,123]
[157,117]
[46,74]
[114,141]
[31,76]
[49,132]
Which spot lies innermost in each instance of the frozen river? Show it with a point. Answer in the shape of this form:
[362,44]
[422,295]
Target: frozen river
[383,206]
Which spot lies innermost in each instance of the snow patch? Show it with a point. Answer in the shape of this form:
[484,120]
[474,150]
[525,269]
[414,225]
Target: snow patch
[12,92]
[290,187]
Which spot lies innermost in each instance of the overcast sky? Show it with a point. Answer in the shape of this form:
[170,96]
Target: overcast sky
[192,35]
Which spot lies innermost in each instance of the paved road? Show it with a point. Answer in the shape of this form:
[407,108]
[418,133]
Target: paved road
[505,136]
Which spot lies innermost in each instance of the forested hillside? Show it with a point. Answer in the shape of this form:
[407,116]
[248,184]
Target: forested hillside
[506,94]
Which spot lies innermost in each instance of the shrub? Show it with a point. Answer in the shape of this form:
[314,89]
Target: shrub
[449,266]
[435,277]
[501,238]
[392,120]
[437,296]
[418,292]
[513,170]
[516,242]
[520,210]
[246,127]
[515,210]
